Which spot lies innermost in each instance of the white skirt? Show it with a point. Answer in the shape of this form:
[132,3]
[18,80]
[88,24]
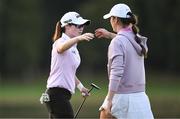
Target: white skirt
[131,106]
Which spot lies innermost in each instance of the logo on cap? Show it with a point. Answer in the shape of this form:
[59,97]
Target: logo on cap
[77,16]
[68,21]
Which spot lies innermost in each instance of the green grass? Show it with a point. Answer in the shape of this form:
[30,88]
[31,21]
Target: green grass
[22,99]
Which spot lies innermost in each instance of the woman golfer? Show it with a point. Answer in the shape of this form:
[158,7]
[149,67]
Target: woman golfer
[126,97]
[65,60]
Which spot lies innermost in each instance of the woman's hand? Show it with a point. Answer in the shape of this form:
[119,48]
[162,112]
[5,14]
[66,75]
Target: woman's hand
[106,106]
[84,92]
[103,33]
[85,36]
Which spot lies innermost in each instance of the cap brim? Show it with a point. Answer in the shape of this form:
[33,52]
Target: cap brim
[106,16]
[63,25]
[82,22]
[87,22]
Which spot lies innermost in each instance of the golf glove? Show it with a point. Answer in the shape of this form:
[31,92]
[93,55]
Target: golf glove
[44,98]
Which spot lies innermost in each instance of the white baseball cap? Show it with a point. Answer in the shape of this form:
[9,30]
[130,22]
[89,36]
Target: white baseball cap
[118,10]
[73,18]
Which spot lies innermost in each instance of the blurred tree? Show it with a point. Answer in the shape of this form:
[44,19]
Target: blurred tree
[22,37]
[160,24]
[3,34]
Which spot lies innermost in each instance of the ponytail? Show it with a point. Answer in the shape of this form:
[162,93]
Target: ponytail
[134,21]
[58,32]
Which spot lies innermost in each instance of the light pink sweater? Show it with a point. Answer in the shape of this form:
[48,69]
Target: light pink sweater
[125,64]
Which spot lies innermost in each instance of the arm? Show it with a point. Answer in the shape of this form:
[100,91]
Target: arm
[77,81]
[114,79]
[69,43]
[103,33]
[109,99]
[116,70]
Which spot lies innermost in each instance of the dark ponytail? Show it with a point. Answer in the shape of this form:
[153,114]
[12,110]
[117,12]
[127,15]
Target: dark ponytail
[58,31]
[134,20]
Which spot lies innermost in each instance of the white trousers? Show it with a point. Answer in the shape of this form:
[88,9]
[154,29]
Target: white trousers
[131,106]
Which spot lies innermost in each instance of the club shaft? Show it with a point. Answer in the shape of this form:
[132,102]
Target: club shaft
[79,108]
[82,104]
[90,89]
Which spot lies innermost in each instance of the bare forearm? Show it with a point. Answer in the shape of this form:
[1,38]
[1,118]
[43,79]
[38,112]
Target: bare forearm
[77,80]
[111,35]
[110,95]
[66,45]
[69,43]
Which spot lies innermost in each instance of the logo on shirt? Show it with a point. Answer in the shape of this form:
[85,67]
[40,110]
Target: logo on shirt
[74,52]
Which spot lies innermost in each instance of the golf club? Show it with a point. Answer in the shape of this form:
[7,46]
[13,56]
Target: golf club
[92,87]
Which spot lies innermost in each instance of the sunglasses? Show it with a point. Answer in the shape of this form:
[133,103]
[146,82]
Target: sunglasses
[78,26]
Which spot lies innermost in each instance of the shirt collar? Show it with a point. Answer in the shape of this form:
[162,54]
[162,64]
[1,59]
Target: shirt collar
[125,29]
[65,36]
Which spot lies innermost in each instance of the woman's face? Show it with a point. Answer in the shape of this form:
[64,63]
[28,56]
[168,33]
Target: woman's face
[74,30]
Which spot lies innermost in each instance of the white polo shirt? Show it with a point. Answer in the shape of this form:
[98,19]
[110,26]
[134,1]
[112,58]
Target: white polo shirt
[63,66]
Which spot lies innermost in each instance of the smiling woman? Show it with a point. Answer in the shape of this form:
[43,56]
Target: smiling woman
[64,62]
